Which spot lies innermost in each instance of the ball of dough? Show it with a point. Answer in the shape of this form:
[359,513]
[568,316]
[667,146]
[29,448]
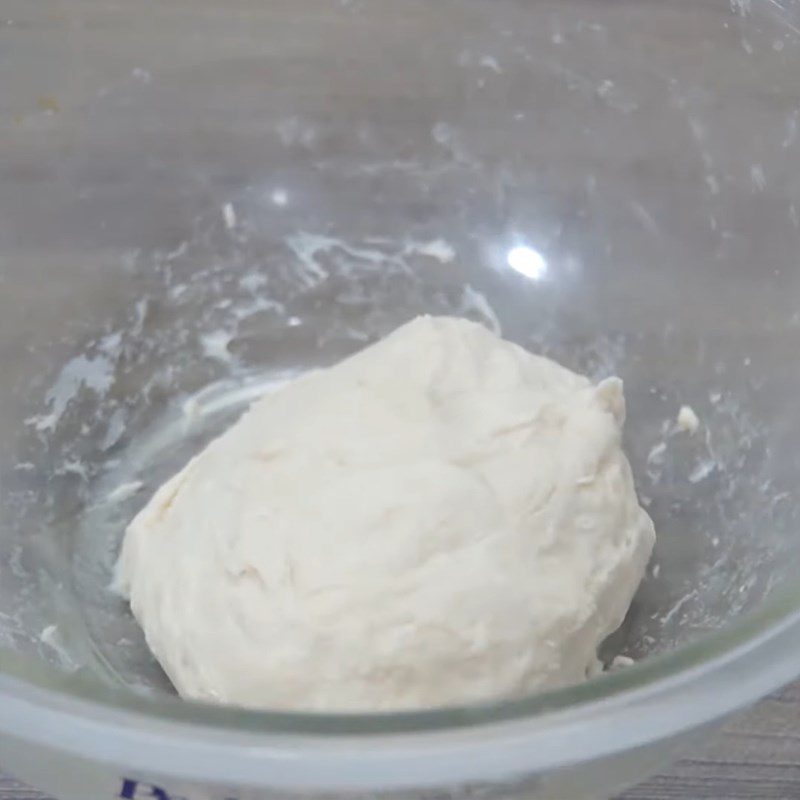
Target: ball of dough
[442,518]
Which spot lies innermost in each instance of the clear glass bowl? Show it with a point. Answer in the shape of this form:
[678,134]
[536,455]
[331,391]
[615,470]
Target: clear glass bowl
[200,200]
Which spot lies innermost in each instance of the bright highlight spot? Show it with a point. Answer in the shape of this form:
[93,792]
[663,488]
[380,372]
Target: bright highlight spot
[527,262]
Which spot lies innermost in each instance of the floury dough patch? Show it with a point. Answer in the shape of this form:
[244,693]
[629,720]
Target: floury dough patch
[442,518]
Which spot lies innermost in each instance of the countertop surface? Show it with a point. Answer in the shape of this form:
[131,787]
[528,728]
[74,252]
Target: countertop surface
[756,756]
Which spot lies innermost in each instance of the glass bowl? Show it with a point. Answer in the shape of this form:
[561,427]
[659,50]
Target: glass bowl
[199,201]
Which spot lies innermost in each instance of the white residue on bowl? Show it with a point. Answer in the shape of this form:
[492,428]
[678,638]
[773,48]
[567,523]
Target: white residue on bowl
[93,372]
[438,249]
[295,131]
[215,345]
[702,470]
[223,395]
[256,305]
[72,466]
[712,183]
[141,75]
[124,492]
[656,571]
[306,246]
[490,62]
[675,610]
[758,178]
[280,197]
[621,662]
[475,302]
[646,219]
[687,420]
[116,428]
[657,453]
[253,281]
[51,638]
[229,216]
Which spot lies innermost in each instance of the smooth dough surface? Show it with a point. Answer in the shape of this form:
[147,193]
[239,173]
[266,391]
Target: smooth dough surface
[442,518]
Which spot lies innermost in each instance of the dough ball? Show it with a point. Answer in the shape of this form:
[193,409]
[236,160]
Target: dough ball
[442,518]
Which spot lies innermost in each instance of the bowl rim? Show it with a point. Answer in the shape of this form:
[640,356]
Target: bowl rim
[654,700]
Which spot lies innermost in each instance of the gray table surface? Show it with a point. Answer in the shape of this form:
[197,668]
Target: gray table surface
[756,756]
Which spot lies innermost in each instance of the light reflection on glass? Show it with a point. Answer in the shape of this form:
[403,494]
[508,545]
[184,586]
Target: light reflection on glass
[527,261]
